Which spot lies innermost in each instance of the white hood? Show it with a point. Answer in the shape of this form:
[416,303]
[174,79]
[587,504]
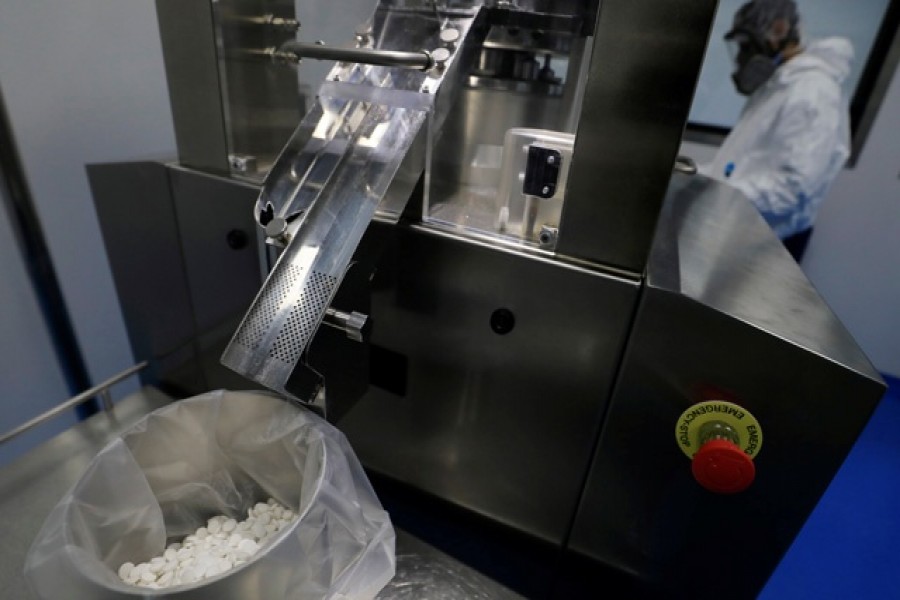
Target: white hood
[831,55]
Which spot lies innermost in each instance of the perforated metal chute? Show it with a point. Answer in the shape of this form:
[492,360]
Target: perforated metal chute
[303,317]
[328,183]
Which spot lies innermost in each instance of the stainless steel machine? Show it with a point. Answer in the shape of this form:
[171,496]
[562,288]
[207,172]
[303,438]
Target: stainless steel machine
[560,354]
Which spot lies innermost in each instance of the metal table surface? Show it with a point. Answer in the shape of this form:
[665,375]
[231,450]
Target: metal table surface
[32,485]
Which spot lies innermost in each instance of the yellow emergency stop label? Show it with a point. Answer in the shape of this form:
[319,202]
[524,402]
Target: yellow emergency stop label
[687,430]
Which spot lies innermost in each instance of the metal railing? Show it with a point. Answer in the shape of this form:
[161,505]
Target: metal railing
[101,390]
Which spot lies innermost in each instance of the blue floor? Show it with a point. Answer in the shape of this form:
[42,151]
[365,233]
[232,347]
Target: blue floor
[850,547]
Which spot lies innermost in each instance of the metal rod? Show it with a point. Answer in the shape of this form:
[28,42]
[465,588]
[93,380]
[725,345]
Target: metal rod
[72,402]
[385,58]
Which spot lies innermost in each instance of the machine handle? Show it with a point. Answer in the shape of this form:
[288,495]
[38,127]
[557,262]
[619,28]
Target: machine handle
[367,56]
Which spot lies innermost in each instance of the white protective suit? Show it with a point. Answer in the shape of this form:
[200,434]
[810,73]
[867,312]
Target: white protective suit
[793,137]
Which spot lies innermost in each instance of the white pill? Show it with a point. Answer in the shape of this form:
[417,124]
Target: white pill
[248,546]
[220,546]
[190,575]
[258,530]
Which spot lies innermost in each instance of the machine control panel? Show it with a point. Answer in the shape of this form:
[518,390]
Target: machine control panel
[721,439]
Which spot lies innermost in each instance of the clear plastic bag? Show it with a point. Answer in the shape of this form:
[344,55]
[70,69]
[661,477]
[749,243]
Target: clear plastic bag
[219,454]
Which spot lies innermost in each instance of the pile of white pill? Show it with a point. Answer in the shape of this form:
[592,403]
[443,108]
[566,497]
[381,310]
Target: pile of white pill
[223,544]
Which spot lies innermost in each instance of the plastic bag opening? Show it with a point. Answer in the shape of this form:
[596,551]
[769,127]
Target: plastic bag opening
[219,454]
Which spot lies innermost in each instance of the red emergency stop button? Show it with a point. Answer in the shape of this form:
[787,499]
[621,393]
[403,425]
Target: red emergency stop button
[723,467]
[721,439]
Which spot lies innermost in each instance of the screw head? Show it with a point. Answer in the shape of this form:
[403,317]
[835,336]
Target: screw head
[276,227]
[440,56]
[450,35]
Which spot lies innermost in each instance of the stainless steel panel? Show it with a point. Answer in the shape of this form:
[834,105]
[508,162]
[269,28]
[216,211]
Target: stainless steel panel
[642,74]
[712,247]
[217,228]
[502,425]
[137,219]
[261,99]
[189,51]
[185,260]
[726,314]
[232,106]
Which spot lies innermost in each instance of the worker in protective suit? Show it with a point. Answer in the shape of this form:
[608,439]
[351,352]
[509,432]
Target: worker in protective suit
[793,137]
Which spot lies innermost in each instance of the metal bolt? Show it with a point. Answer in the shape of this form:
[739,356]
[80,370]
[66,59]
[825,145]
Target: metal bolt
[545,189]
[279,57]
[450,36]
[276,230]
[364,35]
[242,163]
[548,237]
[551,159]
[282,23]
[440,56]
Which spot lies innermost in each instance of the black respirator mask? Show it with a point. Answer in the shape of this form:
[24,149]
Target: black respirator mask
[754,63]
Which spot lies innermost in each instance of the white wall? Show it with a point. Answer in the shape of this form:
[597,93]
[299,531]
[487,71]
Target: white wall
[853,257]
[854,254]
[84,82]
